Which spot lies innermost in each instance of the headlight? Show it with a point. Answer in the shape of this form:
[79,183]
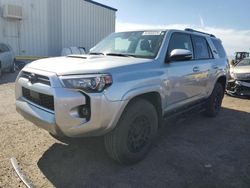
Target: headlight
[232,75]
[89,83]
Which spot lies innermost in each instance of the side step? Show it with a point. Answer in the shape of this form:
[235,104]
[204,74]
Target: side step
[198,107]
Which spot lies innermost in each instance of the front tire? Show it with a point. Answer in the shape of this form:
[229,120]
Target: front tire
[134,134]
[213,105]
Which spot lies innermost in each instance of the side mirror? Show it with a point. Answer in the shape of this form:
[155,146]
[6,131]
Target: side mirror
[179,55]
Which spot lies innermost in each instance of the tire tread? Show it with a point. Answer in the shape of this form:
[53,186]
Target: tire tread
[112,144]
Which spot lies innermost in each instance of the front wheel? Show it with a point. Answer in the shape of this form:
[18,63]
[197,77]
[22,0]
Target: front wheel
[214,102]
[133,136]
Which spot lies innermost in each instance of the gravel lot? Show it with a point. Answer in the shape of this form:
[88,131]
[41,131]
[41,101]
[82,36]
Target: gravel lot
[194,151]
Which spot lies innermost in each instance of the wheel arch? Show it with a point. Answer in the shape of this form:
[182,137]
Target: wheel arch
[154,98]
[223,81]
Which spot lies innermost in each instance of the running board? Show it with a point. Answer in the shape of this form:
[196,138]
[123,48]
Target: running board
[199,107]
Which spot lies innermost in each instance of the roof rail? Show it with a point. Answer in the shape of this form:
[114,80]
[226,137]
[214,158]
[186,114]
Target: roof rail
[192,30]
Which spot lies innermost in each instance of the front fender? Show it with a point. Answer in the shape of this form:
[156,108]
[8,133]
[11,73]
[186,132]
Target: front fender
[142,90]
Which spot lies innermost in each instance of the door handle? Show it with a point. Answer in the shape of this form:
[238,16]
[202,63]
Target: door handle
[196,69]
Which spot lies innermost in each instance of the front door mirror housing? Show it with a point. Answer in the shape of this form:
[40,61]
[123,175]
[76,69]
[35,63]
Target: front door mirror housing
[180,55]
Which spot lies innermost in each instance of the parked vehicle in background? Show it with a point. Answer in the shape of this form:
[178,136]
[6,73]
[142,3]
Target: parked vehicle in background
[125,87]
[239,56]
[73,51]
[239,79]
[7,58]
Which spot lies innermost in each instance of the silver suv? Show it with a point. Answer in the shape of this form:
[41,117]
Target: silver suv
[125,87]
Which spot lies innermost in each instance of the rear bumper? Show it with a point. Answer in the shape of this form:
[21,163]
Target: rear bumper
[236,87]
[65,118]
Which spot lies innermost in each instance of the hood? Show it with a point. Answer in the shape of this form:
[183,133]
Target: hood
[241,72]
[241,69]
[81,64]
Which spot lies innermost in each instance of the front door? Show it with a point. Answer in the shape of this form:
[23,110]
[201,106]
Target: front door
[183,80]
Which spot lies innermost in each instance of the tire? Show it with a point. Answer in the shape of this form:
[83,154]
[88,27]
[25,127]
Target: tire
[0,70]
[13,67]
[134,134]
[213,105]
[62,139]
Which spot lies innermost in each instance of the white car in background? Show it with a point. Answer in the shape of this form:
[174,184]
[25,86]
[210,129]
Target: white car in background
[239,80]
[7,58]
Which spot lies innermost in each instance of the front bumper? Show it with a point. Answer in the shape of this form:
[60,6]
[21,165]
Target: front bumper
[238,87]
[64,119]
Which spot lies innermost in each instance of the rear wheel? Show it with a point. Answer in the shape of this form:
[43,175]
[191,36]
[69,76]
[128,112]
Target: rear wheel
[13,67]
[133,136]
[213,105]
[0,69]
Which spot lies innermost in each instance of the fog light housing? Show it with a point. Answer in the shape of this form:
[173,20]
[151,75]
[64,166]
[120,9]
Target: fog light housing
[84,112]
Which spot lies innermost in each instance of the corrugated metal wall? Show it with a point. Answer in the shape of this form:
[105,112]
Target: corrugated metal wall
[84,24]
[50,25]
[54,27]
[28,36]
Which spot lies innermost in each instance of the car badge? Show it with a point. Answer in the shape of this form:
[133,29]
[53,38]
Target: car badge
[32,78]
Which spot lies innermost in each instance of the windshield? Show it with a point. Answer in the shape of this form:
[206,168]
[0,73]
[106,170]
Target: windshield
[241,55]
[244,62]
[143,44]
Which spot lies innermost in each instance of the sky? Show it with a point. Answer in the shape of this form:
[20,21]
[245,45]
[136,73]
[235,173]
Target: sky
[229,20]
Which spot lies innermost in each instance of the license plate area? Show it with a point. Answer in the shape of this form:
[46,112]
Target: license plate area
[34,95]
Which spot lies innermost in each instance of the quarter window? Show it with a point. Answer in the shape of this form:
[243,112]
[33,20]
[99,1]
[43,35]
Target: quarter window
[201,48]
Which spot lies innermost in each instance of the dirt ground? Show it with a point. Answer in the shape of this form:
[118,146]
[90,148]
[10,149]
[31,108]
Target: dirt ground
[193,152]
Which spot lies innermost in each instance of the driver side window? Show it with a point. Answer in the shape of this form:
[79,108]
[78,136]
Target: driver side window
[180,41]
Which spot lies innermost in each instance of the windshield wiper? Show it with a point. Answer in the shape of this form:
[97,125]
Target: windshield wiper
[121,55]
[96,53]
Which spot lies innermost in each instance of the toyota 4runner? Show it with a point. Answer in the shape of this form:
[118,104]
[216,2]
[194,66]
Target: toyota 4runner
[125,87]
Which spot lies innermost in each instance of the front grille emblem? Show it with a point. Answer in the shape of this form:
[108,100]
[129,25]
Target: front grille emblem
[32,78]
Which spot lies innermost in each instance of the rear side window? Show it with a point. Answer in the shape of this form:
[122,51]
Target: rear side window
[180,41]
[4,48]
[219,48]
[201,48]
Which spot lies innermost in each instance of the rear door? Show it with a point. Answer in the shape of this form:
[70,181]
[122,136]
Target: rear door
[204,62]
[183,76]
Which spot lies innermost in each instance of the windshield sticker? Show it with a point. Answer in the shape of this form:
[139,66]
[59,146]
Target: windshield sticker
[151,33]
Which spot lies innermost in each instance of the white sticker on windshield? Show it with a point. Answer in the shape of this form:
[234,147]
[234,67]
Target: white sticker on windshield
[151,33]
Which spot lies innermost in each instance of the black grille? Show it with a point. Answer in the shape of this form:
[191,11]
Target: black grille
[36,78]
[46,101]
[244,89]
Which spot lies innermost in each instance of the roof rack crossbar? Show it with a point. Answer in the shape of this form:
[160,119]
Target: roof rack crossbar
[192,30]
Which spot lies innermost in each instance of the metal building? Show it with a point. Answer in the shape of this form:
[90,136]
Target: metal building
[44,27]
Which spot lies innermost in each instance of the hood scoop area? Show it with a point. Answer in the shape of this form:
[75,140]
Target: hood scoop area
[86,56]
